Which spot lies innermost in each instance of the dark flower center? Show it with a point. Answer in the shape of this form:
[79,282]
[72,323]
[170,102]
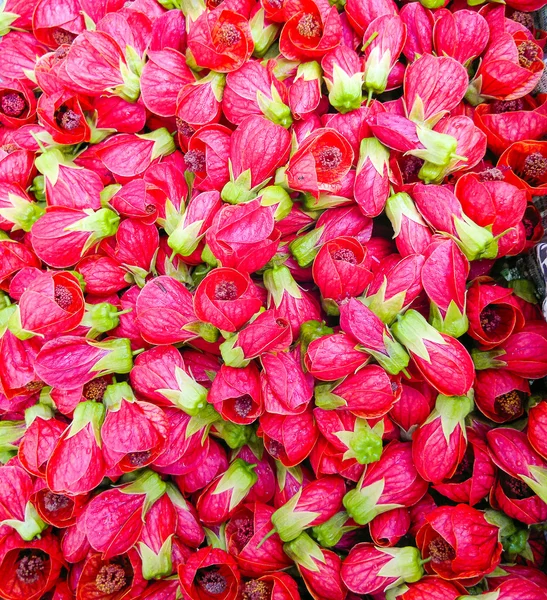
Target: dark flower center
[465,468]
[243,405]
[308,26]
[515,488]
[523,18]
[61,36]
[491,175]
[150,208]
[138,459]
[225,290]
[245,531]
[211,580]
[275,448]
[30,566]
[67,119]
[281,323]
[184,128]
[13,104]
[330,157]
[59,54]
[535,166]
[195,161]
[528,53]
[345,255]
[54,502]
[34,386]
[63,296]
[110,579]
[228,35]
[511,404]
[95,389]
[257,590]
[410,167]
[9,148]
[503,106]
[490,319]
[440,550]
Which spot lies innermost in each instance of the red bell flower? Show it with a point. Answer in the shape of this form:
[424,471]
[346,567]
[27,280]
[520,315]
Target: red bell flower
[209,572]
[500,395]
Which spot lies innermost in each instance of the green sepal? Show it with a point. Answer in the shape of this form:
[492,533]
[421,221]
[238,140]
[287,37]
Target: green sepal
[377,69]
[6,20]
[88,413]
[119,358]
[328,534]
[263,35]
[39,410]
[386,310]
[232,355]
[313,330]
[274,109]
[164,143]
[364,443]
[305,247]
[538,481]
[217,539]
[374,151]
[101,224]
[156,566]
[305,552]
[31,527]
[325,399]
[234,434]
[288,523]
[11,319]
[185,239]
[345,91]
[405,565]
[395,359]
[411,329]
[454,323]
[23,214]
[279,280]
[487,360]
[100,318]
[275,195]
[239,479]
[191,397]
[10,432]
[401,205]
[452,411]
[115,394]
[475,242]
[362,505]
[148,483]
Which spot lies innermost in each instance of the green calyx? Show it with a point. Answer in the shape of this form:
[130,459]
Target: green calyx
[234,434]
[238,479]
[191,397]
[119,357]
[275,195]
[288,522]
[101,318]
[405,565]
[488,360]
[395,358]
[377,69]
[412,330]
[399,206]
[10,433]
[156,565]
[279,280]
[100,224]
[148,483]
[345,91]
[115,394]
[454,323]
[305,247]
[164,143]
[32,525]
[305,552]
[475,242]
[362,505]
[274,108]
[328,534]
[364,443]
[452,411]
[22,213]
[263,35]
[313,330]
[88,413]
[232,355]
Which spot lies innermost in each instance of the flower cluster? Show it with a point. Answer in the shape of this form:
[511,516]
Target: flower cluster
[262,335]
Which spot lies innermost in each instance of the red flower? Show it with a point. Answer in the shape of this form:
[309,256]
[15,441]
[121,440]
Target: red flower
[207,157]
[320,163]
[220,40]
[527,162]
[500,395]
[29,569]
[209,572]
[227,299]
[310,31]
[332,357]
[463,34]
[461,543]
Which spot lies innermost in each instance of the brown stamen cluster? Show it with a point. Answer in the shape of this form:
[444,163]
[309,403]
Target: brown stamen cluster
[54,502]
[528,53]
[110,579]
[195,161]
[511,404]
[183,127]
[67,119]
[61,36]
[440,550]
[502,106]
[515,488]
[243,405]
[308,26]
[30,567]
[490,319]
[228,35]
[139,459]
[244,533]
[275,448]
[34,386]
[330,158]
[535,166]
[211,580]
[63,296]
[523,18]
[225,290]
[257,590]
[95,389]
[13,104]
[491,175]
[345,255]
